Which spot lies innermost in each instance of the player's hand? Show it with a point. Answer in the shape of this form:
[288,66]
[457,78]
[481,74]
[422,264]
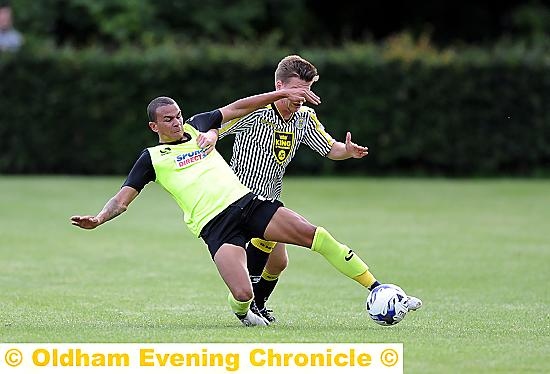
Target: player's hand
[354,150]
[301,95]
[85,222]
[207,140]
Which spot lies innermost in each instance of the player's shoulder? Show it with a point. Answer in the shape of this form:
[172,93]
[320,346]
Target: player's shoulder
[306,111]
[258,113]
[308,114]
[265,109]
[245,121]
[149,152]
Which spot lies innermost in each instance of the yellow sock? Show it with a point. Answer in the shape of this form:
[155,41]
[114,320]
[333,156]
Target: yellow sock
[366,279]
[269,277]
[238,307]
[263,245]
[341,257]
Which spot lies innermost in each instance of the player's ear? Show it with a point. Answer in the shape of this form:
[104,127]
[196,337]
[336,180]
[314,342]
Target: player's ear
[153,126]
[278,85]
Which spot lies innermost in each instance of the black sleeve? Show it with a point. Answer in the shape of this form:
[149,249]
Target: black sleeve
[142,172]
[206,121]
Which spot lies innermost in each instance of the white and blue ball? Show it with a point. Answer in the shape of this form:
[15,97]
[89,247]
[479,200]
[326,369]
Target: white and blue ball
[387,304]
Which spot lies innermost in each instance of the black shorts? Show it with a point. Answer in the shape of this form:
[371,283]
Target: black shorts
[243,220]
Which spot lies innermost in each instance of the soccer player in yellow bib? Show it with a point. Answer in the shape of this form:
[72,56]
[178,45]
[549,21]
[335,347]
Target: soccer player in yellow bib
[265,143]
[217,207]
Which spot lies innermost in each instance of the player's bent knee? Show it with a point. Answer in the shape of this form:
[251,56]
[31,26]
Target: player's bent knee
[242,294]
[284,263]
[277,267]
[281,263]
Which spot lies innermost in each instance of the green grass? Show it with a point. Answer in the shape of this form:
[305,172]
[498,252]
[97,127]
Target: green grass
[477,252]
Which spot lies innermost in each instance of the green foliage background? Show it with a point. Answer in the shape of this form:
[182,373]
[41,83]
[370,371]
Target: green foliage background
[73,99]
[420,110]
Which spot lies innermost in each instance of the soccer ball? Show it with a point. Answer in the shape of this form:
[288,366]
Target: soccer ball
[386,304]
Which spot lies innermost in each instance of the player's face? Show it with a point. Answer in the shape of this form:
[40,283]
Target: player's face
[169,123]
[294,82]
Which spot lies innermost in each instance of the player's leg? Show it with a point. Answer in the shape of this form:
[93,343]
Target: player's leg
[289,227]
[265,262]
[264,283]
[257,254]
[278,260]
[231,263]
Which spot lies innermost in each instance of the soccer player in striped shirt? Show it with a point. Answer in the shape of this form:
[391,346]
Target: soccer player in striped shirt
[265,143]
[217,206]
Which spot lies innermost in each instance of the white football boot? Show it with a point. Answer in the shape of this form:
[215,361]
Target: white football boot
[252,319]
[413,303]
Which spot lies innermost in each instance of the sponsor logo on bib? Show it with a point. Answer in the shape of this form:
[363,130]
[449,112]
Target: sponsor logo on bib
[185,159]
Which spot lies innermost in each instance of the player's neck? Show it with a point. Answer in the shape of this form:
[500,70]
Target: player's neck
[185,138]
[283,110]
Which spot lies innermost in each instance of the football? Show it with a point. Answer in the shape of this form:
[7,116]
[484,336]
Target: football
[387,304]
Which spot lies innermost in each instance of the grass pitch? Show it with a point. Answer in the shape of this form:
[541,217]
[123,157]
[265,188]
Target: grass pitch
[477,252]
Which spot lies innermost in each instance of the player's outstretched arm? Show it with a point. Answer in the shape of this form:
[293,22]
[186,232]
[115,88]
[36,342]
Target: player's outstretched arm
[242,107]
[343,151]
[114,207]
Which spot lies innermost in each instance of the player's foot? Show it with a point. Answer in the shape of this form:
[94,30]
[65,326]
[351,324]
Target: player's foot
[265,313]
[268,314]
[252,319]
[413,303]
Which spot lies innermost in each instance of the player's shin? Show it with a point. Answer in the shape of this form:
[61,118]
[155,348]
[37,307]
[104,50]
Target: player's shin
[257,253]
[342,258]
[264,288]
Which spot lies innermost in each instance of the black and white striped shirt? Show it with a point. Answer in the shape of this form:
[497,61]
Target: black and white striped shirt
[265,144]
